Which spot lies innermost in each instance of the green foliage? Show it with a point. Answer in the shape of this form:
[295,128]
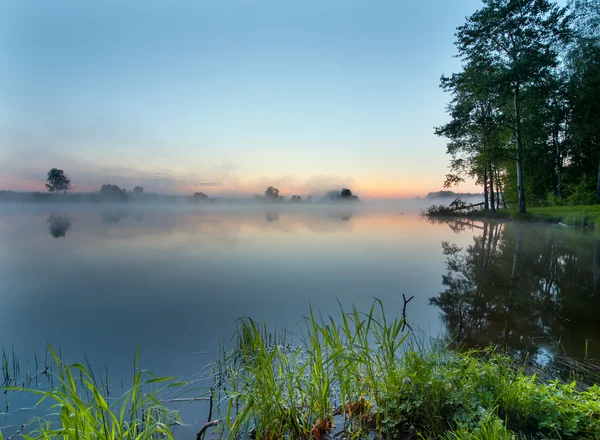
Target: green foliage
[490,428]
[82,411]
[583,193]
[57,181]
[362,369]
[526,103]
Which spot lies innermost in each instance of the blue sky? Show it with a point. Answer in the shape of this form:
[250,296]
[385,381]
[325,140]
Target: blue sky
[227,97]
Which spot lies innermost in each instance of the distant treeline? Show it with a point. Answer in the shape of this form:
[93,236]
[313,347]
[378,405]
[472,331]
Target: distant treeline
[450,194]
[115,194]
[525,107]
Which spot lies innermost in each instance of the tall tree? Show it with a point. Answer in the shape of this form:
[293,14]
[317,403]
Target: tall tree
[57,181]
[517,40]
[477,130]
[584,64]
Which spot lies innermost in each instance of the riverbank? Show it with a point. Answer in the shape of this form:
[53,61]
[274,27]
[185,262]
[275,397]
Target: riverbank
[364,376]
[581,215]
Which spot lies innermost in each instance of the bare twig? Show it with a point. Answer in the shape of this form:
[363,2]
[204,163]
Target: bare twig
[205,427]
[406,301]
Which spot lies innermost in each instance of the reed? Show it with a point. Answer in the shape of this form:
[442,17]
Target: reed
[81,408]
[362,375]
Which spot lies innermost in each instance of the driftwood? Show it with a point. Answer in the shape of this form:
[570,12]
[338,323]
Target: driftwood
[460,208]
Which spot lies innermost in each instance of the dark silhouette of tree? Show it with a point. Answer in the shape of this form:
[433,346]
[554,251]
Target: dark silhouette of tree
[138,190]
[58,225]
[346,194]
[57,181]
[272,194]
[113,192]
[296,199]
[200,196]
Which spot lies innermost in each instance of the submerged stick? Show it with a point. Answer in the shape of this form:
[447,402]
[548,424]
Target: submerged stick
[406,301]
[205,427]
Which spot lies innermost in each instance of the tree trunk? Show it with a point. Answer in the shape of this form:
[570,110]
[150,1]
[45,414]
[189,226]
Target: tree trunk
[500,191]
[558,160]
[596,266]
[598,183]
[520,189]
[492,201]
[485,189]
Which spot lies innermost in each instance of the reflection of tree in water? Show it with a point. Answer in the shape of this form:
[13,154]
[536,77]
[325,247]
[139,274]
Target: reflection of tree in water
[523,289]
[58,225]
[112,216]
[272,217]
[346,217]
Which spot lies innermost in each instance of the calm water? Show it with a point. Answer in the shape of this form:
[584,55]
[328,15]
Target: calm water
[101,279]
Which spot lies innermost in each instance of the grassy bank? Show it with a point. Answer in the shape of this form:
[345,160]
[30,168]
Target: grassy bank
[356,376]
[360,376]
[581,215]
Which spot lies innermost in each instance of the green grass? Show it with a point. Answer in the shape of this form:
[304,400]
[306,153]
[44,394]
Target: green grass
[580,215]
[80,409]
[360,375]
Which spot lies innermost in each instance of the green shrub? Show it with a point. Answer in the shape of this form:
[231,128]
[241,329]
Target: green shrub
[362,369]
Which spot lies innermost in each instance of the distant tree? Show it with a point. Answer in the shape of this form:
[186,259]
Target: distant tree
[57,181]
[272,194]
[138,190]
[113,192]
[200,197]
[58,225]
[309,199]
[296,199]
[346,194]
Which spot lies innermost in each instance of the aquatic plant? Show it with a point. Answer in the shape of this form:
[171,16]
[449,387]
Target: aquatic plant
[82,410]
[364,375]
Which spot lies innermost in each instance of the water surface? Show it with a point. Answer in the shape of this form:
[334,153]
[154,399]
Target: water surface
[102,279]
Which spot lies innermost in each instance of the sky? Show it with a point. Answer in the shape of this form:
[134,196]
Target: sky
[227,97]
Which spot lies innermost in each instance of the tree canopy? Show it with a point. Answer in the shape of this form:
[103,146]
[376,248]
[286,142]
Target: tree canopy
[525,106]
[57,181]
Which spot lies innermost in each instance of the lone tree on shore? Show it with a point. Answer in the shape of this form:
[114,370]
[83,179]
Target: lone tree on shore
[138,190]
[272,194]
[57,181]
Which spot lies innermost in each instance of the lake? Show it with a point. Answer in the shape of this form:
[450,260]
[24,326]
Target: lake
[99,280]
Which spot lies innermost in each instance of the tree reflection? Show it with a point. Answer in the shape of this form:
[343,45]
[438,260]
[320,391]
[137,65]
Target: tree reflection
[271,217]
[112,216]
[58,225]
[523,288]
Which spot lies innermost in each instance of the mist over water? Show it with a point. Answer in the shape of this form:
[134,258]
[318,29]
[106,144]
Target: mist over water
[101,279]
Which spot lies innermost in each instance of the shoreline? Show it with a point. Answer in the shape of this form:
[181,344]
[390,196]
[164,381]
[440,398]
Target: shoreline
[586,216]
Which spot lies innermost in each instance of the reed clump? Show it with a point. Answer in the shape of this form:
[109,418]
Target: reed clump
[81,409]
[363,376]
